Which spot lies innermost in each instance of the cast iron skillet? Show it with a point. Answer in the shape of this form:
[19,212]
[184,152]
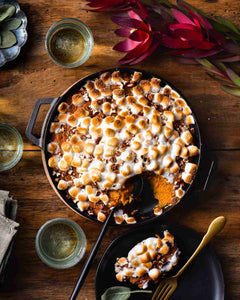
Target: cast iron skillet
[146,210]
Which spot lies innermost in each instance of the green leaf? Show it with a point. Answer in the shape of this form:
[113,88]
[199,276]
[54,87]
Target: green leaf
[120,293]
[231,90]
[8,39]
[228,24]
[206,63]
[234,77]
[11,24]
[6,11]
[166,2]
[221,66]
[194,9]
[116,293]
[222,80]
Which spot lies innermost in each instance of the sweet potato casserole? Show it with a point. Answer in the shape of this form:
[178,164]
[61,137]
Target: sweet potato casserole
[148,261]
[115,127]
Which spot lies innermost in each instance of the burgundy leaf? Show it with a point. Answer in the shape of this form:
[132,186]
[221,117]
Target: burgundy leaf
[188,34]
[204,45]
[174,43]
[232,48]
[174,26]
[194,53]
[131,23]
[124,32]
[218,37]
[139,35]
[180,17]
[135,16]
[135,52]
[142,11]
[146,54]
[196,22]
[230,58]
[187,6]
[204,22]
[126,45]
[163,12]
[102,3]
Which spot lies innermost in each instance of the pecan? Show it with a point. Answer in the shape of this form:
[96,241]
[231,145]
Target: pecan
[101,115]
[98,140]
[150,97]
[83,137]
[118,153]
[100,101]
[113,159]
[158,107]
[98,193]
[114,168]
[125,144]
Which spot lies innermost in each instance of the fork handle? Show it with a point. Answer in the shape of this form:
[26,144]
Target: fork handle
[214,228]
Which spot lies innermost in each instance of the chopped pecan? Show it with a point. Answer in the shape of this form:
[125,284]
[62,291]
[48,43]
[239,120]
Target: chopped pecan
[113,159]
[98,140]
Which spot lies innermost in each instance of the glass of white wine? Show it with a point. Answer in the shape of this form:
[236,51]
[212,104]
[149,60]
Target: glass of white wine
[69,42]
[60,243]
[11,146]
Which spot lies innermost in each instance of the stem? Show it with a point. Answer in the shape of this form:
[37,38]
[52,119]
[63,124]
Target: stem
[132,292]
[147,292]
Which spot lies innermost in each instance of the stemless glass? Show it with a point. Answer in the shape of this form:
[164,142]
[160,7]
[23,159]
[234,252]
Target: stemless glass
[64,262]
[16,151]
[79,26]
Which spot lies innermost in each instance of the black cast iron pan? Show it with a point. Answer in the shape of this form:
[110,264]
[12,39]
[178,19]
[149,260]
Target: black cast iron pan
[146,212]
[145,209]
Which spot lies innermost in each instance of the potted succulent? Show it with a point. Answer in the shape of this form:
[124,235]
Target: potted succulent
[13,34]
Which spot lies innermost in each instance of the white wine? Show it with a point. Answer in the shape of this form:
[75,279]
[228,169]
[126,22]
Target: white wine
[67,45]
[8,145]
[59,241]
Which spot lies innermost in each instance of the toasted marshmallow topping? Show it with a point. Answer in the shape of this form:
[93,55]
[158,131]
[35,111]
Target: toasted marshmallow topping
[116,127]
[151,258]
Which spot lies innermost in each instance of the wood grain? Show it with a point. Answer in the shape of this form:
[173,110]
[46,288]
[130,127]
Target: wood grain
[33,75]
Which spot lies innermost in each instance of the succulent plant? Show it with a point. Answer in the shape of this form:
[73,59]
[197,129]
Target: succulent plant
[7,24]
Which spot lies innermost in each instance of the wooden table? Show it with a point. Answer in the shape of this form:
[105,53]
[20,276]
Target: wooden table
[33,75]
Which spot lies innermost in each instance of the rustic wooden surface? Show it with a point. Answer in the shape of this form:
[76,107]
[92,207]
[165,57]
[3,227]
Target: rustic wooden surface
[33,75]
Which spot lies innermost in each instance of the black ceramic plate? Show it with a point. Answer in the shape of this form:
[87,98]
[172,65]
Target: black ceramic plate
[203,279]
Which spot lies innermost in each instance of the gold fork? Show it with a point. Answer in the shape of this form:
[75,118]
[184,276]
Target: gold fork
[169,285]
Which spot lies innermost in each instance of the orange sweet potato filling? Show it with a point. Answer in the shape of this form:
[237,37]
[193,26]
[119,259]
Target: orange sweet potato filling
[162,190]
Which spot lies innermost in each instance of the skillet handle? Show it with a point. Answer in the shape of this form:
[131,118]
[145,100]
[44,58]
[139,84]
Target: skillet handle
[31,123]
[207,168]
